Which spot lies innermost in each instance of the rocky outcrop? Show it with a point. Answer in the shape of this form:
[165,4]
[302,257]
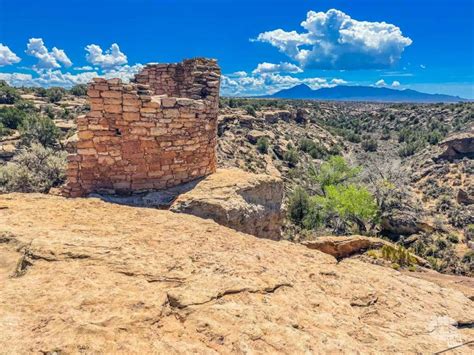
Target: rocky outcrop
[343,247]
[82,275]
[400,222]
[246,202]
[464,197]
[279,115]
[253,136]
[458,146]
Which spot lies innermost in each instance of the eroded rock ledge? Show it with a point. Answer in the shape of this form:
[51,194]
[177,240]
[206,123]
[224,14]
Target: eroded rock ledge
[105,278]
[246,202]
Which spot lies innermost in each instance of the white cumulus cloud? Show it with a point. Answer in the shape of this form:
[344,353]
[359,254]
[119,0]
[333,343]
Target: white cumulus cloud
[381,82]
[395,84]
[46,59]
[84,68]
[268,83]
[238,74]
[47,78]
[282,67]
[125,72]
[56,77]
[338,81]
[333,40]
[7,57]
[112,58]
[17,79]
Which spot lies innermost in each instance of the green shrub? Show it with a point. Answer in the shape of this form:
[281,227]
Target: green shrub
[435,263]
[11,117]
[49,111]
[353,137]
[434,137]
[8,94]
[25,106]
[441,243]
[468,257]
[385,134]
[305,145]
[398,255]
[291,157]
[315,150]
[469,232]
[374,254]
[453,238]
[39,129]
[250,110]
[370,145]
[407,150]
[4,131]
[55,94]
[298,205]
[262,145]
[33,169]
[333,172]
[41,92]
[79,90]
[350,203]
[317,215]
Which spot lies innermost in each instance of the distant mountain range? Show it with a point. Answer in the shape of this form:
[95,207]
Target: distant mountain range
[362,93]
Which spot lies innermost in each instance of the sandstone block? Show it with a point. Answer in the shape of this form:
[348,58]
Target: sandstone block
[111,94]
[131,116]
[113,108]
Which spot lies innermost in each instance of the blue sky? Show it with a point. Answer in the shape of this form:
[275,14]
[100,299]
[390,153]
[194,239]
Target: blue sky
[418,44]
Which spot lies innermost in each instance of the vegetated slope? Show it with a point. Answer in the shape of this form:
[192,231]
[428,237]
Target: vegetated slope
[396,143]
[362,93]
[81,275]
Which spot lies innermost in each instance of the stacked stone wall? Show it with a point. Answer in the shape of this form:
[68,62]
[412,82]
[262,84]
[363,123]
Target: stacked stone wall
[156,132]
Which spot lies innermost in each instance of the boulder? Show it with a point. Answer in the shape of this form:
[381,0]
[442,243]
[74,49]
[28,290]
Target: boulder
[458,146]
[7,151]
[275,116]
[85,276]
[400,222]
[464,198]
[247,121]
[253,136]
[243,201]
[343,247]
[302,116]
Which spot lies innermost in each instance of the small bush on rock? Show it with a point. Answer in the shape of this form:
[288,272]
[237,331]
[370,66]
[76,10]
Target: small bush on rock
[79,90]
[39,129]
[298,205]
[398,255]
[33,169]
[55,94]
[250,110]
[370,145]
[262,145]
[11,117]
[8,94]
[291,157]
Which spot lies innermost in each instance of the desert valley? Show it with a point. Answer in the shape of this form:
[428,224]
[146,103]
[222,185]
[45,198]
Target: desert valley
[250,177]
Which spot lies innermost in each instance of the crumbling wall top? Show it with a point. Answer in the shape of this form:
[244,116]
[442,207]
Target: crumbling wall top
[196,78]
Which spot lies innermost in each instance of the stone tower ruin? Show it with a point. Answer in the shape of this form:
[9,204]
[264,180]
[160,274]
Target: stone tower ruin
[156,132]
